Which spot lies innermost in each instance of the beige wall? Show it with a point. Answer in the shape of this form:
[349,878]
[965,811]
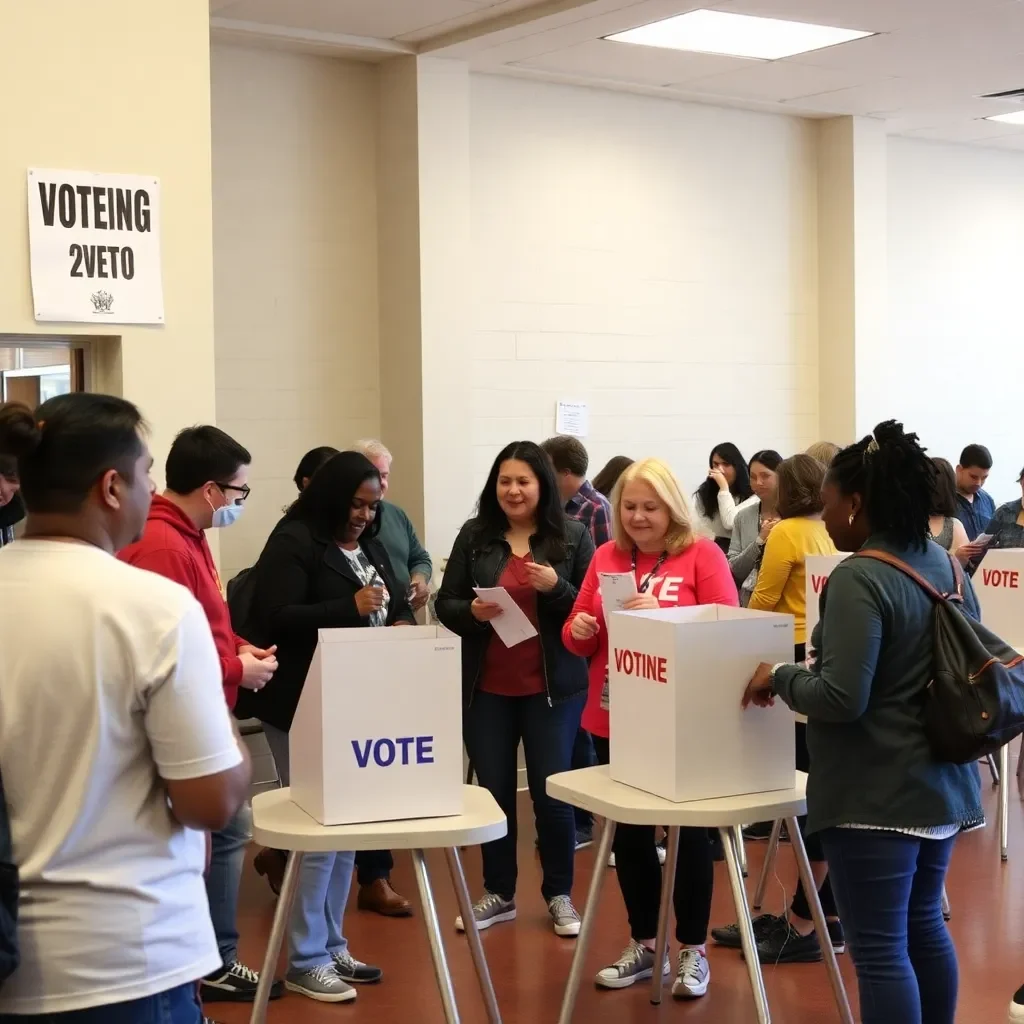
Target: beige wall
[118,86]
[295,266]
[956,261]
[655,259]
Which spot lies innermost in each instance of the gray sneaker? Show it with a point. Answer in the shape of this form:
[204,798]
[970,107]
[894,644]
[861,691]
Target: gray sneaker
[354,971]
[635,964]
[320,983]
[565,916]
[490,909]
[693,976]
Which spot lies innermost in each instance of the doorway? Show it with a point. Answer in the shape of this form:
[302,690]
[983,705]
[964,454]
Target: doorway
[34,371]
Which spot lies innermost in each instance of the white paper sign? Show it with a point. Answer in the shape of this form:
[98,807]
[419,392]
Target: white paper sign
[616,589]
[512,625]
[572,418]
[94,243]
[999,585]
[817,570]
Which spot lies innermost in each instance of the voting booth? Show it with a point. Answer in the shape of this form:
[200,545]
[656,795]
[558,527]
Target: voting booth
[999,584]
[818,568]
[676,678]
[377,735]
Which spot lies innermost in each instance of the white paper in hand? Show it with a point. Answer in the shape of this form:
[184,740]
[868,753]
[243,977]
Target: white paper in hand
[616,589]
[512,625]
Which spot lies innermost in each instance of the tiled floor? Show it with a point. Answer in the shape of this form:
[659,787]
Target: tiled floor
[529,964]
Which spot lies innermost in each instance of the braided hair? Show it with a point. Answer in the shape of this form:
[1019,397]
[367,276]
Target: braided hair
[895,479]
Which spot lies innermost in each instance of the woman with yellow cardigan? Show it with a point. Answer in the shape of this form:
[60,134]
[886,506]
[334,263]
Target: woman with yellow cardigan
[781,587]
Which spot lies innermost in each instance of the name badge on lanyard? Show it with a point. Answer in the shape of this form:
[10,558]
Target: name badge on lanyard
[641,588]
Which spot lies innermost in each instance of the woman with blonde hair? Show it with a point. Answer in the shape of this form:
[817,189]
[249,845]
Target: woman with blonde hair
[655,540]
[823,451]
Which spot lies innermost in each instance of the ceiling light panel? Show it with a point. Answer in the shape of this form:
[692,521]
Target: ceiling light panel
[737,35]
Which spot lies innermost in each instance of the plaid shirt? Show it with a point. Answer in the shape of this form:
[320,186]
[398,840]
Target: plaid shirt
[591,508]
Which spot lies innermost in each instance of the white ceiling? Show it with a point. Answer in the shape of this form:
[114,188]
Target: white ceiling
[923,72]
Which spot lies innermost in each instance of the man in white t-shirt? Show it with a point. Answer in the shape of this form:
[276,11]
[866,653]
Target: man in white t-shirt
[116,746]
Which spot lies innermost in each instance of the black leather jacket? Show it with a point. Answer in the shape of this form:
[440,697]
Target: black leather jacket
[480,563]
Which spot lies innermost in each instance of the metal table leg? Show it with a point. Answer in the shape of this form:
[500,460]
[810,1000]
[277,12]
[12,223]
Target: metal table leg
[820,924]
[741,849]
[769,863]
[579,955]
[1004,801]
[282,913]
[993,768]
[739,898]
[476,949]
[947,912]
[668,884]
[441,972]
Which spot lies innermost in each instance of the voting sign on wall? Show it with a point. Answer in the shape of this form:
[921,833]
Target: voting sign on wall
[94,244]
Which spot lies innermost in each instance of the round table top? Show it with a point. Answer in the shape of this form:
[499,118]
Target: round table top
[593,790]
[279,823]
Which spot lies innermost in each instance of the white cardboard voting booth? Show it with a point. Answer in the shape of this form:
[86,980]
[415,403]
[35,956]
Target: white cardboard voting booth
[676,678]
[999,584]
[377,735]
[818,569]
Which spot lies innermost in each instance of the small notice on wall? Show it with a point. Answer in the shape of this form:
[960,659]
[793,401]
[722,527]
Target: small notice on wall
[572,418]
[94,243]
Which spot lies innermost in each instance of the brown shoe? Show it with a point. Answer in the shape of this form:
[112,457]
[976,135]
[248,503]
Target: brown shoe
[380,898]
[271,864]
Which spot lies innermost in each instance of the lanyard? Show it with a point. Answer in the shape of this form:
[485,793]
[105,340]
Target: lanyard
[643,584]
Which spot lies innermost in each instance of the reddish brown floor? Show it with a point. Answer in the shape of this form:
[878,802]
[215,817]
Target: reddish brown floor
[529,963]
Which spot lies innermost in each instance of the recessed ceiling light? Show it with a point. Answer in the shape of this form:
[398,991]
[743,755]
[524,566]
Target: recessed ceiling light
[1017,117]
[737,35]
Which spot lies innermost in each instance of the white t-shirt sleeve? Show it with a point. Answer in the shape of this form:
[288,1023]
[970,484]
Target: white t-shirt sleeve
[187,720]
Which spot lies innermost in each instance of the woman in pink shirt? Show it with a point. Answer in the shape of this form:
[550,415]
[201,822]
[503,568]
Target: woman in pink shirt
[655,539]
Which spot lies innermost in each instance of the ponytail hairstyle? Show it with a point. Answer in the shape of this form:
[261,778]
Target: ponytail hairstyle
[895,479]
[64,447]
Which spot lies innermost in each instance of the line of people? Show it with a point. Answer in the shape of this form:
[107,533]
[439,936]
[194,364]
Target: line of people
[151,756]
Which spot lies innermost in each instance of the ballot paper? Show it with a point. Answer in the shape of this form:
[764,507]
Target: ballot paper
[983,539]
[616,589]
[512,625]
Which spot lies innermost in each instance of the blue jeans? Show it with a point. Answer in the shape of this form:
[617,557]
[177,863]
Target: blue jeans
[227,858]
[175,1006]
[493,727]
[314,932]
[888,888]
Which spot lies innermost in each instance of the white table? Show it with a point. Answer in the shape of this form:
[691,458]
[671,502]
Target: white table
[282,825]
[593,790]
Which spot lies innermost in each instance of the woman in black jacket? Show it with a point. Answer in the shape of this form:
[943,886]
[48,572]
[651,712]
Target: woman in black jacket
[532,692]
[322,568]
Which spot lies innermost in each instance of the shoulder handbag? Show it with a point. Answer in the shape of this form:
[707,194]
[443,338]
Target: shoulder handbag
[9,887]
[975,698]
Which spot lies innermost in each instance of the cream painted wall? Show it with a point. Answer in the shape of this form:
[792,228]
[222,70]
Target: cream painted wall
[955,348]
[147,112]
[295,266]
[655,259]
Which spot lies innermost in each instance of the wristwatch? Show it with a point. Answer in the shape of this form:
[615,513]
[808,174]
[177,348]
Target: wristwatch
[775,668]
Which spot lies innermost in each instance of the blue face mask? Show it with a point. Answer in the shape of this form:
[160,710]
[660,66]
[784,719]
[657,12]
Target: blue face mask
[226,515]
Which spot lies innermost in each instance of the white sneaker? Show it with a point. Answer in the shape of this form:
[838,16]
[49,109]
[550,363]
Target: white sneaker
[635,964]
[611,859]
[662,854]
[565,917]
[693,975]
[489,909]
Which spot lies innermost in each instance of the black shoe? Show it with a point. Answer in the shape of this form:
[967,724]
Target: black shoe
[762,832]
[786,945]
[235,983]
[764,924]
[837,935]
[1017,1006]
[584,837]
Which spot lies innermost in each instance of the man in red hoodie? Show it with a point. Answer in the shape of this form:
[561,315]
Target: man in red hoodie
[207,473]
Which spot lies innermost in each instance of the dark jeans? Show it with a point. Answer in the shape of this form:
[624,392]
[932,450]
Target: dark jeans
[800,907]
[372,865]
[639,873]
[175,1006]
[583,756]
[493,727]
[889,890]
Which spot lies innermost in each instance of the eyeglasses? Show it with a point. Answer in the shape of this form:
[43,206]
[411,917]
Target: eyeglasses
[245,490]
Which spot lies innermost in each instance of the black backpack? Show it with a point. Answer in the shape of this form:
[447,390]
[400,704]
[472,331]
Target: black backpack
[975,702]
[8,897]
[241,589]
